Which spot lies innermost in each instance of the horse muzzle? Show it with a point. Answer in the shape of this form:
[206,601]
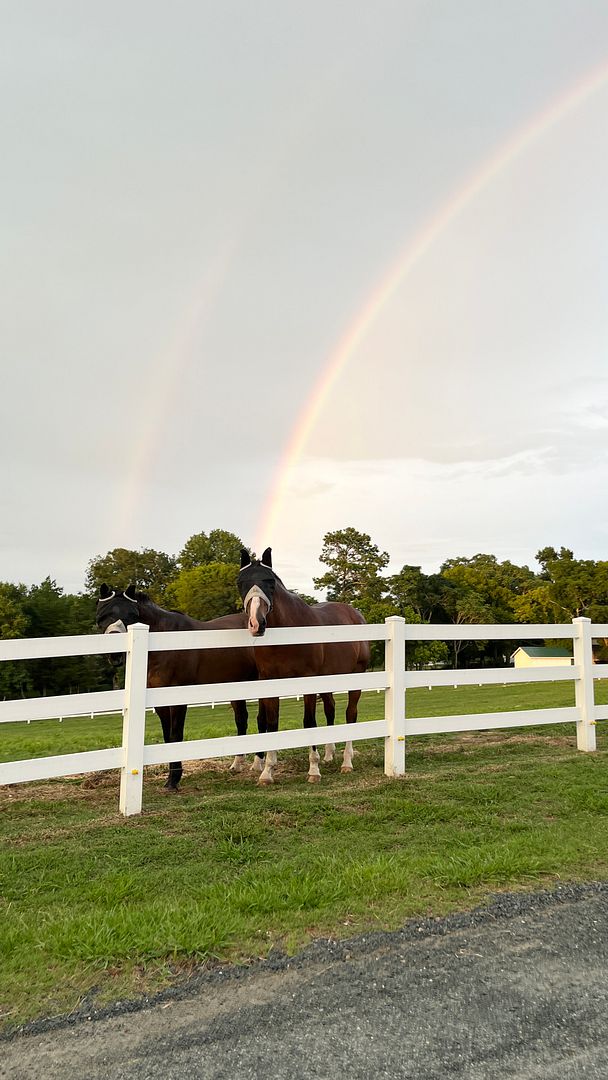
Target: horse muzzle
[118,627]
[256,620]
[257,626]
[258,606]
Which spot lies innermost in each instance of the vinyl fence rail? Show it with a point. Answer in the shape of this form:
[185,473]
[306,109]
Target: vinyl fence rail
[133,755]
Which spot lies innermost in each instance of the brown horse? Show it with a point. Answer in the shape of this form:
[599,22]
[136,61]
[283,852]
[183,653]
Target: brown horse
[117,610]
[267,602]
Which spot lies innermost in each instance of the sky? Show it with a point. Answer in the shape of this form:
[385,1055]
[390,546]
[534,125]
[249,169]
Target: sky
[283,268]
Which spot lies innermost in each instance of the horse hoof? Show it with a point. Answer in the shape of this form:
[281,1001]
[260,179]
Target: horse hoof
[346,768]
[235,768]
[312,779]
[265,781]
[171,789]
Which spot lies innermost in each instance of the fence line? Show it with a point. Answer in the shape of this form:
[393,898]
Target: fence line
[133,755]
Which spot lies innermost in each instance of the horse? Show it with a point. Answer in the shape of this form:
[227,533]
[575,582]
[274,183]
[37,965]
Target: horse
[267,602]
[117,610]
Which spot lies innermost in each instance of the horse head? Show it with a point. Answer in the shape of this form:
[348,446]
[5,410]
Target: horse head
[116,610]
[256,583]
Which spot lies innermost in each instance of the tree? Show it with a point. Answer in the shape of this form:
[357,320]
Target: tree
[499,585]
[13,619]
[219,546]
[205,592]
[424,594]
[536,605]
[418,654]
[51,613]
[466,606]
[354,567]
[14,623]
[548,555]
[150,570]
[575,587]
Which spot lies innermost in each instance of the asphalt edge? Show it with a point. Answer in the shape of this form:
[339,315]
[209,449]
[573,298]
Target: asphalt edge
[502,907]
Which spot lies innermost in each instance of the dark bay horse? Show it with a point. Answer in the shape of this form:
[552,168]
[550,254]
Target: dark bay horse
[117,610]
[267,602]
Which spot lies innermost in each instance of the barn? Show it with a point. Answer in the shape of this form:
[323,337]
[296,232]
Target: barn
[541,656]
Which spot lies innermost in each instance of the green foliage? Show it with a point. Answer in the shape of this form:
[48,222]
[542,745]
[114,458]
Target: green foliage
[418,654]
[148,569]
[429,596]
[219,546]
[498,585]
[574,587]
[53,614]
[354,567]
[13,619]
[45,611]
[14,623]
[205,592]
[484,590]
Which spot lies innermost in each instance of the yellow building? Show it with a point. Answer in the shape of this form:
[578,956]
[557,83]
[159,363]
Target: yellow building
[541,656]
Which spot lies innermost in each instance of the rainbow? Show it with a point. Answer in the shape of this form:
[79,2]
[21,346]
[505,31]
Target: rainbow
[164,379]
[520,141]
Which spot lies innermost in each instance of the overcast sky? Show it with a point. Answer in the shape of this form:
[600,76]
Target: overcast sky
[198,200]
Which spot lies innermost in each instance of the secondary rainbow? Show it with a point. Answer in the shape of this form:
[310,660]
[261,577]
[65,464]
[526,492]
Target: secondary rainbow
[520,141]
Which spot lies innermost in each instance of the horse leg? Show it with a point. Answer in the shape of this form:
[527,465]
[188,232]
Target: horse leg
[329,708]
[240,719]
[164,715]
[172,718]
[351,718]
[258,760]
[271,714]
[310,720]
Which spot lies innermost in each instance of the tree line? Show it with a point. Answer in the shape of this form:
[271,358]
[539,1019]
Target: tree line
[201,580]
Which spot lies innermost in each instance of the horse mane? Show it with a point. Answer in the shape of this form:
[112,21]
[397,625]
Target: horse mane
[172,619]
[143,597]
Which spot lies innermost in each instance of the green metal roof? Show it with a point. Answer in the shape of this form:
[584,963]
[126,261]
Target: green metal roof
[544,650]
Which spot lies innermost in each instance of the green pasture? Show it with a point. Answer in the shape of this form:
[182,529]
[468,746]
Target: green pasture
[93,907]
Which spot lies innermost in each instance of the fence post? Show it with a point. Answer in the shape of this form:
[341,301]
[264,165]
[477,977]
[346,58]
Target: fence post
[584,694]
[134,723]
[394,698]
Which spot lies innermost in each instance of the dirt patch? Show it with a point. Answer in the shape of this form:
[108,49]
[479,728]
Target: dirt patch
[468,743]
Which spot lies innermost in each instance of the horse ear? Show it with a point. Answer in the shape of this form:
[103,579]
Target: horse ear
[130,592]
[245,558]
[104,591]
[267,557]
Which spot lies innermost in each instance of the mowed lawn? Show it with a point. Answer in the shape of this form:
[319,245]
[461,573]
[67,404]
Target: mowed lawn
[94,907]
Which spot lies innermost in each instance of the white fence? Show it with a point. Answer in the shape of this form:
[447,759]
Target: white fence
[134,755]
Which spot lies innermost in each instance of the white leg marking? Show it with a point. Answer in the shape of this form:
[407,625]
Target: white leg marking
[330,750]
[347,760]
[238,764]
[314,773]
[257,764]
[267,775]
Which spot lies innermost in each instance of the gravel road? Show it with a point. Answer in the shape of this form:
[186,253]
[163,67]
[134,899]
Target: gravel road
[516,989]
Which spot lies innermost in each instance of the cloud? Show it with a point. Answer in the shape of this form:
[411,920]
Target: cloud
[424,512]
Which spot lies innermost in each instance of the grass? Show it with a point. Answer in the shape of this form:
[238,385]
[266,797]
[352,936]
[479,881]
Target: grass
[94,906]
